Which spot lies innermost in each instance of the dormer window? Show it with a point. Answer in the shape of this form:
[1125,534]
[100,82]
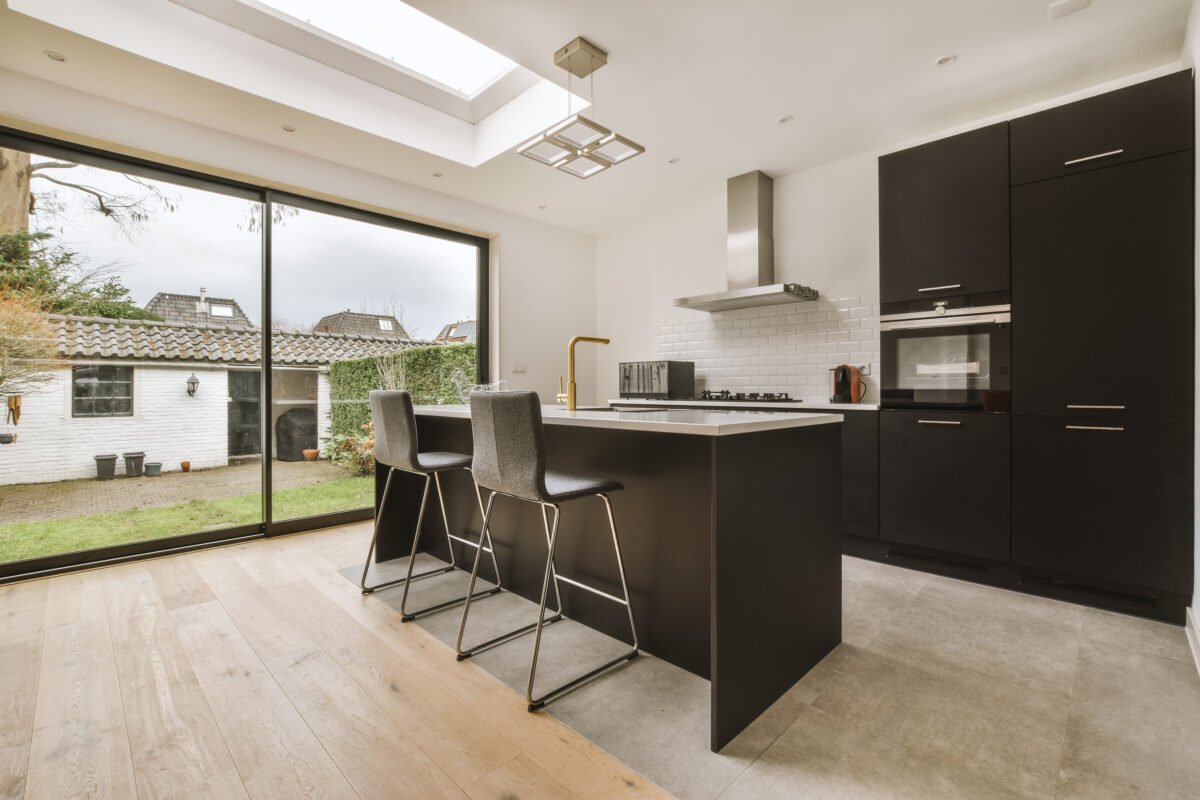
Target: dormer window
[385,324]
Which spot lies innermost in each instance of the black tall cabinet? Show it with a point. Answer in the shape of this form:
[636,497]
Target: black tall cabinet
[1086,490]
[1103,339]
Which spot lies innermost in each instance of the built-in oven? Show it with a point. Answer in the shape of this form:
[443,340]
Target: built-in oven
[954,359]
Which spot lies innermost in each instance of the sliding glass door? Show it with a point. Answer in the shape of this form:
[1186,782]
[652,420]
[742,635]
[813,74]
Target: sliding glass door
[138,412]
[130,306]
[358,302]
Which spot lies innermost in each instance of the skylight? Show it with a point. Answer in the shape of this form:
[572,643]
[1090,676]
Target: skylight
[398,32]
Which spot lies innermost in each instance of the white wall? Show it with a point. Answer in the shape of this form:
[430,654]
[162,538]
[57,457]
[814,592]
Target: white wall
[543,277]
[167,425]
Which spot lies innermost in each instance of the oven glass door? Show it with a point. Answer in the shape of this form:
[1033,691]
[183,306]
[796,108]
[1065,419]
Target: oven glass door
[953,367]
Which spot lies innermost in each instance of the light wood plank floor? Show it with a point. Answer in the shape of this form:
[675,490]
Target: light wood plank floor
[256,671]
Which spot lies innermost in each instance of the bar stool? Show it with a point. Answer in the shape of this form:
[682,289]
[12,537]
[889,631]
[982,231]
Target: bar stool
[396,448]
[510,460]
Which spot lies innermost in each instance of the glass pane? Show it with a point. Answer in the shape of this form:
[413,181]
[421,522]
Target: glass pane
[126,253]
[351,298]
[944,361]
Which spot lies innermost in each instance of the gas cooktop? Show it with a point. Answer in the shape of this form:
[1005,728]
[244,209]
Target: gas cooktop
[746,397]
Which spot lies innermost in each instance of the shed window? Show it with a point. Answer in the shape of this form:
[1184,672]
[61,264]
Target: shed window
[102,392]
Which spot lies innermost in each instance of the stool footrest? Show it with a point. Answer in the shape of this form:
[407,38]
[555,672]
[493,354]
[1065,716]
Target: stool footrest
[508,637]
[618,600]
[538,702]
[458,601]
[387,584]
[468,542]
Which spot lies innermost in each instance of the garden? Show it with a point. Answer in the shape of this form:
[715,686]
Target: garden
[47,519]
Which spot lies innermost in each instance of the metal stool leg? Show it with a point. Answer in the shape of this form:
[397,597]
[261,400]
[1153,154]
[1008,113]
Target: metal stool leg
[553,567]
[362,584]
[537,702]
[405,616]
[461,654]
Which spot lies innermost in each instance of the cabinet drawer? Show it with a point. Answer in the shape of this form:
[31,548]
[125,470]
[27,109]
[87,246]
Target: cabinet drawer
[1104,499]
[1139,121]
[944,481]
[943,217]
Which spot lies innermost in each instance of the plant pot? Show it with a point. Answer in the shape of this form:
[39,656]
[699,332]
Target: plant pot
[133,464]
[186,466]
[106,467]
[7,438]
[153,469]
[311,454]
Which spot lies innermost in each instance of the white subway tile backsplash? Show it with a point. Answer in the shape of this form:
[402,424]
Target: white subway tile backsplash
[777,348]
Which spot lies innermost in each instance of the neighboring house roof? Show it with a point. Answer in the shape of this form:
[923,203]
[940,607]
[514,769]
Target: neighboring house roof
[463,331]
[98,337]
[186,310]
[359,324]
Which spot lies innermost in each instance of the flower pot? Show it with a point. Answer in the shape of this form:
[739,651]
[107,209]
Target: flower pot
[153,469]
[106,467]
[186,466]
[133,464]
[311,454]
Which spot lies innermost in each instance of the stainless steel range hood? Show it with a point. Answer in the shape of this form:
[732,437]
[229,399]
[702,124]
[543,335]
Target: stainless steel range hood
[751,245]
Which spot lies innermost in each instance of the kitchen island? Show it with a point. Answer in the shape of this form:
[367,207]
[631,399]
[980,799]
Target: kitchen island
[729,521]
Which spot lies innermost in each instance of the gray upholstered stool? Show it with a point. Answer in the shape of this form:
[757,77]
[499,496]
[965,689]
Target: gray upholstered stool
[396,449]
[510,460]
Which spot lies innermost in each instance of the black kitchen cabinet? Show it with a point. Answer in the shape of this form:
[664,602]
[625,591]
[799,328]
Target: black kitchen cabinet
[1105,499]
[944,481]
[860,473]
[1147,119]
[943,217]
[1103,292]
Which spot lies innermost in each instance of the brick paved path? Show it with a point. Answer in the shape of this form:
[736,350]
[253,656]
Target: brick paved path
[39,501]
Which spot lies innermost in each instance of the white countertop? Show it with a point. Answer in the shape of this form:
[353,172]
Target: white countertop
[696,422]
[800,405]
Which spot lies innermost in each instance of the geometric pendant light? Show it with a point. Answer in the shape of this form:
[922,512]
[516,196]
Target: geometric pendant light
[578,145]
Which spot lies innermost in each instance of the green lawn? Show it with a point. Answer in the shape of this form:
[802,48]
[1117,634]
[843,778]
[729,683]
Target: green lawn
[22,540]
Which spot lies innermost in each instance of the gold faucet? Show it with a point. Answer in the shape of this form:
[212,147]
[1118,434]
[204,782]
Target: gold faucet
[569,396]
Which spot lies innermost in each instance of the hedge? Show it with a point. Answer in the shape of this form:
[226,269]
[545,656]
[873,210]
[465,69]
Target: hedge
[427,373]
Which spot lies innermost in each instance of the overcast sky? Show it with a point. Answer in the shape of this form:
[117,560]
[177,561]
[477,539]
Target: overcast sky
[323,263]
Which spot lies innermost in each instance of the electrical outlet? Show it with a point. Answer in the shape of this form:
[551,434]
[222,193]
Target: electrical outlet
[864,369]
[519,368]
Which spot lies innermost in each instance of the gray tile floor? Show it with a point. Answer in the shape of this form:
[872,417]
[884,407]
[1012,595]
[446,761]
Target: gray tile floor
[940,689]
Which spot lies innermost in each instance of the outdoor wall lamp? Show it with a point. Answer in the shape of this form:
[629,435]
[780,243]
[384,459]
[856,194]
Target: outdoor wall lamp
[192,384]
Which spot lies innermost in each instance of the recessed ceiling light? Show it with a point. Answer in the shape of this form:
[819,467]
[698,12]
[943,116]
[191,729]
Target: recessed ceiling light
[785,119]
[288,128]
[437,174]
[944,60]
[54,55]
[674,160]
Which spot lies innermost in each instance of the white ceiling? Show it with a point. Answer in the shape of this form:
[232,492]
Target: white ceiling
[703,81]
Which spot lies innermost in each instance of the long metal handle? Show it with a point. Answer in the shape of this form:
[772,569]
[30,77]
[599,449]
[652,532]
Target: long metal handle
[1117,428]
[940,288]
[938,422]
[1095,407]
[1109,154]
[943,322]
